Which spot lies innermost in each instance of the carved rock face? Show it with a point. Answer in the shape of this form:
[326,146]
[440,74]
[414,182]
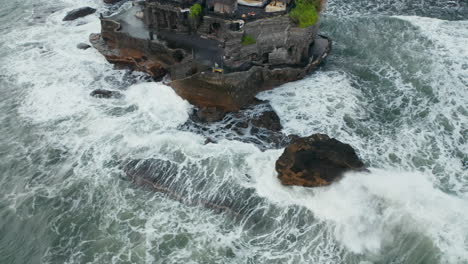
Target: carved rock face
[315,161]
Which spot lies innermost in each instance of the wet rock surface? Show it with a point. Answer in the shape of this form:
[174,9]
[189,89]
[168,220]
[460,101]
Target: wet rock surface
[101,93]
[128,57]
[77,13]
[257,124]
[317,160]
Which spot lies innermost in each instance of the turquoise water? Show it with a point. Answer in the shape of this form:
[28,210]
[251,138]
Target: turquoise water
[395,87]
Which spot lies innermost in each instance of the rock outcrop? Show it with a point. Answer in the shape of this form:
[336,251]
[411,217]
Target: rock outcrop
[216,58]
[315,161]
[80,12]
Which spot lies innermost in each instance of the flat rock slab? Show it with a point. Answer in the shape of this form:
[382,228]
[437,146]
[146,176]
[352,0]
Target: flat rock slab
[317,160]
[80,12]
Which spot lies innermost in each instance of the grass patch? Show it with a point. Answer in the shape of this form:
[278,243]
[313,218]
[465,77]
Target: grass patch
[248,40]
[305,14]
[195,10]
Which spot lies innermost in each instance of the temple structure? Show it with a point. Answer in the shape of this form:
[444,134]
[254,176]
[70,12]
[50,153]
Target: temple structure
[216,53]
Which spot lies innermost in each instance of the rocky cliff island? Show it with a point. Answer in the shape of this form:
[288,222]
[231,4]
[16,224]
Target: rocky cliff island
[217,54]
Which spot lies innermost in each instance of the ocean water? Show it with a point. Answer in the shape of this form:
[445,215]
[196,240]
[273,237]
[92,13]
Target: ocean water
[395,87]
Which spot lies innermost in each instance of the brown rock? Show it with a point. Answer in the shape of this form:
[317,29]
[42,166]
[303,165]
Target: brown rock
[133,58]
[210,114]
[315,161]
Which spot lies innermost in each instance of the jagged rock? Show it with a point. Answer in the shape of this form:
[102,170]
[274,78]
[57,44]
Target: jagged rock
[101,93]
[268,120]
[83,46]
[77,13]
[315,161]
[257,124]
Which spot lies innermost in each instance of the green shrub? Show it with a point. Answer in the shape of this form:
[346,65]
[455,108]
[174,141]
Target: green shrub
[195,10]
[305,14]
[248,40]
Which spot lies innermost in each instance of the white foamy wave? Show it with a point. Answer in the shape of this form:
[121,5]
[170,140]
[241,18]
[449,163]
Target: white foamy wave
[57,74]
[371,211]
[318,103]
[449,81]
[451,36]
[159,104]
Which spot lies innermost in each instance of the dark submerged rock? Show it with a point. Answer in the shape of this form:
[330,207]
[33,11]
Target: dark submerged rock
[83,46]
[180,182]
[77,13]
[101,93]
[111,1]
[268,120]
[315,161]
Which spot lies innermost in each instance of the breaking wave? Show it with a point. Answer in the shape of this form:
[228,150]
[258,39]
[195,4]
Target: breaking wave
[395,88]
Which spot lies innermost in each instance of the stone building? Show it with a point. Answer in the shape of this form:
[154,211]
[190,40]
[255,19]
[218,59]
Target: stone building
[222,6]
[167,15]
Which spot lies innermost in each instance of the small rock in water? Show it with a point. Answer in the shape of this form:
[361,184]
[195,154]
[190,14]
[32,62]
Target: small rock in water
[209,140]
[101,93]
[316,161]
[83,46]
[77,13]
[111,1]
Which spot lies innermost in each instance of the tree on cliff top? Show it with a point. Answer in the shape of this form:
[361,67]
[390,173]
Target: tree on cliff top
[305,14]
[195,10]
